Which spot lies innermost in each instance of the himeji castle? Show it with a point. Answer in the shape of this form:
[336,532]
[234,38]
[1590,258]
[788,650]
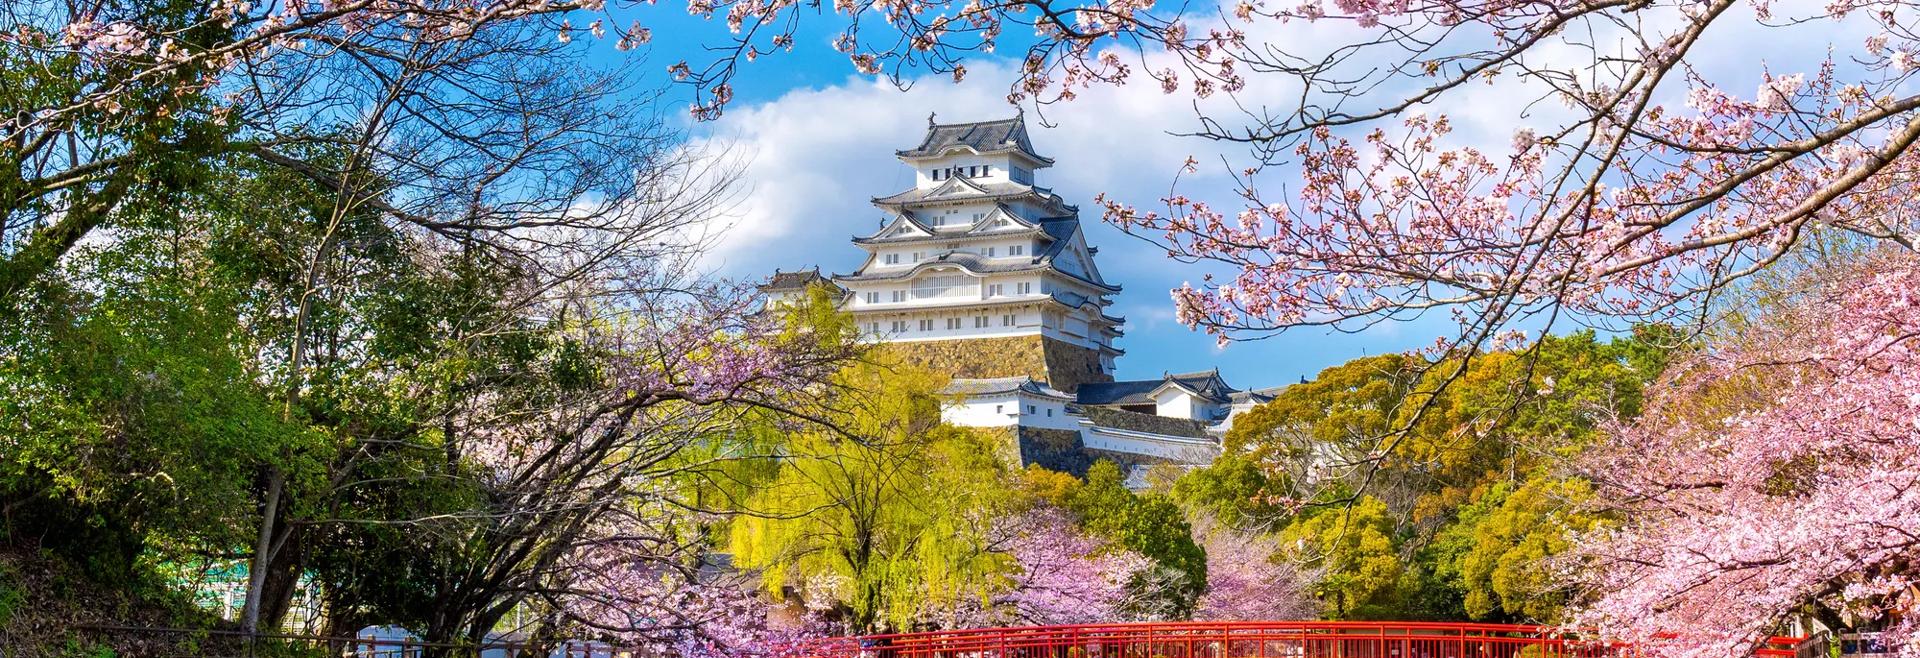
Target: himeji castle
[980,273]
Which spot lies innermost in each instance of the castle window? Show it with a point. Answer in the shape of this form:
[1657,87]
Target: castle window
[1008,320]
[979,321]
[926,325]
[1031,409]
[1049,413]
[989,252]
[935,174]
[972,172]
[953,323]
[995,290]
[946,287]
[893,259]
[1023,288]
[916,257]
[986,170]
[899,326]
[899,295]
[873,298]
[874,328]
[997,408]
[1016,250]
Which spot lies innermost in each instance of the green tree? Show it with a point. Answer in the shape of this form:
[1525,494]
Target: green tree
[1494,554]
[1446,481]
[1151,525]
[882,513]
[1232,489]
[1354,551]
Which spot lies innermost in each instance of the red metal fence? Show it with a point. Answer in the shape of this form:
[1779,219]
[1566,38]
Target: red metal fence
[1261,639]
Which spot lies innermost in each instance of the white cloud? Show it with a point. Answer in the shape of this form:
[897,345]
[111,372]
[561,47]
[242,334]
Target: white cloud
[819,154]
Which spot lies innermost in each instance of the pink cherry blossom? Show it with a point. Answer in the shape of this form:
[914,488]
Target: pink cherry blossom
[1058,575]
[1249,577]
[1782,472]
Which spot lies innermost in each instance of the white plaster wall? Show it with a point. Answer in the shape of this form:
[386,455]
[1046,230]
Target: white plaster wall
[1046,413]
[923,170]
[983,411]
[1192,451]
[1024,324]
[1173,403]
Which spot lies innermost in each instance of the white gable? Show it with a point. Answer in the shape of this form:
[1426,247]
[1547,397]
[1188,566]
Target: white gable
[901,227]
[999,219]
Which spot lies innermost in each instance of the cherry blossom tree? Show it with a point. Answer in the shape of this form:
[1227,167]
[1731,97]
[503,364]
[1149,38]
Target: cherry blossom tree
[1775,477]
[1058,574]
[583,504]
[1250,577]
[620,589]
[466,120]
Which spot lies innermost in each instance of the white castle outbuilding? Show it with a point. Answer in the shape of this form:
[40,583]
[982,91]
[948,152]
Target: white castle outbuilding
[982,274]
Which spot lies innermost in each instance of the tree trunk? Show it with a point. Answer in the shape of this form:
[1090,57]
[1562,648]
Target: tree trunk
[40,252]
[262,552]
[283,575]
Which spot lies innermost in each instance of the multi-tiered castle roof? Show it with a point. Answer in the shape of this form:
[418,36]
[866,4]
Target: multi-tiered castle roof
[980,273]
[975,249]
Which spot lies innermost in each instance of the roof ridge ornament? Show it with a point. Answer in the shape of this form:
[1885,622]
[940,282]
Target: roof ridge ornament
[930,116]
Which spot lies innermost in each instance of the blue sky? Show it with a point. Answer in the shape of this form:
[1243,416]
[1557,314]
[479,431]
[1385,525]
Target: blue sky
[816,142]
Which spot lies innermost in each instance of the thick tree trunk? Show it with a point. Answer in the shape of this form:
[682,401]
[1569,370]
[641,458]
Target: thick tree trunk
[283,575]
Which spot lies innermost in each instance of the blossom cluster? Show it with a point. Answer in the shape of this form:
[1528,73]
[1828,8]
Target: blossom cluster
[1399,223]
[625,593]
[1059,575]
[1781,473]
[1250,577]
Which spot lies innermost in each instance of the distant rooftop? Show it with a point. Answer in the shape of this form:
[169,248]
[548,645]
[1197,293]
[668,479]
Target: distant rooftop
[1002,385]
[997,136]
[1205,384]
[797,280]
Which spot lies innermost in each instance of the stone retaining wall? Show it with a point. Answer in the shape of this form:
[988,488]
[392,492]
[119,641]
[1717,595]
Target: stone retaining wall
[1059,364]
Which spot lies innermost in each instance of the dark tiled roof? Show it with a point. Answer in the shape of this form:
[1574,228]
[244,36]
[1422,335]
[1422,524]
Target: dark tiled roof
[1206,382]
[997,136]
[799,280]
[1250,397]
[970,262]
[957,189]
[1001,385]
[1060,230]
[1121,392]
[1139,422]
[999,212]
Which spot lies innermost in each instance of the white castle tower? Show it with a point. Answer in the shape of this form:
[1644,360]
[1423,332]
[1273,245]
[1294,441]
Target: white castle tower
[981,274]
[977,250]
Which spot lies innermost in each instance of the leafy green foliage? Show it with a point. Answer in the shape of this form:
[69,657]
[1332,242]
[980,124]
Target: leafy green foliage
[1232,489]
[882,515]
[1494,552]
[1421,505]
[1355,552]
[1151,525]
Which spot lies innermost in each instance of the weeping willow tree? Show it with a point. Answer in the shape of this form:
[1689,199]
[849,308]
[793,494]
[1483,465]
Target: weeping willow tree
[884,515]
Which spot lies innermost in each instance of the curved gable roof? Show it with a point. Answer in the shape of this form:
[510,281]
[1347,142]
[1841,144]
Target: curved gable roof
[997,136]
